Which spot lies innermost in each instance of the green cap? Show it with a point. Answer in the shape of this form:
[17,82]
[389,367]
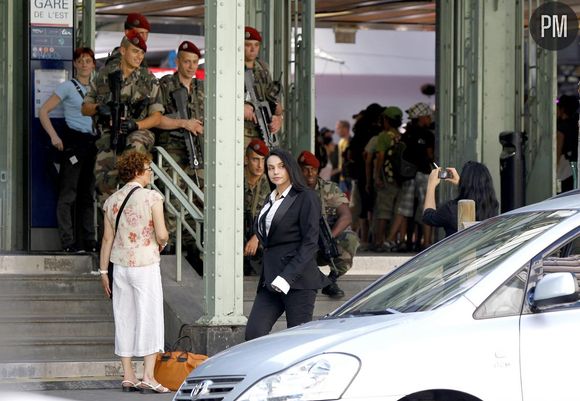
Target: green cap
[393,112]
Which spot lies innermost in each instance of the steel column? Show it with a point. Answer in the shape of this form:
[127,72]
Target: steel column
[540,121]
[479,79]
[223,223]
[87,37]
[13,126]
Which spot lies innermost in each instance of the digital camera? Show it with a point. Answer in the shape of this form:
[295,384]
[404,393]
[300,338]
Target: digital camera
[445,174]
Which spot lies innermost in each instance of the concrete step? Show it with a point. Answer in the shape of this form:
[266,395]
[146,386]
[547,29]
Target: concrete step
[89,304]
[50,284]
[31,371]
[55,326]
[57,349]
[57,263]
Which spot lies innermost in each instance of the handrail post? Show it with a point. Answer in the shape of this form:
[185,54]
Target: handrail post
[178,245]
[465,213]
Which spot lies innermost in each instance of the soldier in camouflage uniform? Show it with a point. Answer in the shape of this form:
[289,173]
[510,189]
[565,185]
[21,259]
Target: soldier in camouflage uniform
[336,211]
[171,132]
[264,87]
[143,110]
[256,190]
[172,128]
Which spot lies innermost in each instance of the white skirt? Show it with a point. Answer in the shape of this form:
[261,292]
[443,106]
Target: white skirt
[138,310]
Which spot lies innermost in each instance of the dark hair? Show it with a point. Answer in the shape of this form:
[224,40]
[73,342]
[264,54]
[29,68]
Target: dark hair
[569,104]
[394,122]
[291,165]
[476,183]
[131,164]
[80,51]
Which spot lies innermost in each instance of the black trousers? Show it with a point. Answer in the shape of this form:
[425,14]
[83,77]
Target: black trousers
[76,187]
[269,306]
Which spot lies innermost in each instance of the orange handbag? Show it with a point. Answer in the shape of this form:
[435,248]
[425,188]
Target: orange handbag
[173,366]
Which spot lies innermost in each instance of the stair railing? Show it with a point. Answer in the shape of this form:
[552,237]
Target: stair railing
[169,173]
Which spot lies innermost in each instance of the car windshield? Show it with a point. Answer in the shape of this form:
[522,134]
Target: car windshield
[451,267]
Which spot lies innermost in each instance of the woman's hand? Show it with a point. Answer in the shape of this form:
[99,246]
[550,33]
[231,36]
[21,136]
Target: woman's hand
[251,246]
[57,142]
[434,179]
[105,284]
[455,176]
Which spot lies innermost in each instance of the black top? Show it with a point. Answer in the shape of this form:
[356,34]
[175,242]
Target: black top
[418,140]
[291,245]
[569,128]
[445,216]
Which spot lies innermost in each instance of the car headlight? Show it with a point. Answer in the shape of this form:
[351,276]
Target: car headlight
[323,377]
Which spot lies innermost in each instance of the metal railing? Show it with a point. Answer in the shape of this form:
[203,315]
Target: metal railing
[170,174]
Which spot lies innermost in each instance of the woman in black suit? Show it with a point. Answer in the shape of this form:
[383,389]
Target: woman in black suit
[287,228]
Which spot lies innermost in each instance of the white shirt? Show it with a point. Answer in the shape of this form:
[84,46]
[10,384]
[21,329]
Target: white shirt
[275,205]
[279,283]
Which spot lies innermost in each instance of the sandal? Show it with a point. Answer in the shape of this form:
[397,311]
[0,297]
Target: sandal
[128,386]
[145,388]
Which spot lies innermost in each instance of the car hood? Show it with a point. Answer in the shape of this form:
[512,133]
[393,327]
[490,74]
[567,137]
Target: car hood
[277,351]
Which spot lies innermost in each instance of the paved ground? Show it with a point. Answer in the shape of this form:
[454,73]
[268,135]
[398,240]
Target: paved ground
[100,395]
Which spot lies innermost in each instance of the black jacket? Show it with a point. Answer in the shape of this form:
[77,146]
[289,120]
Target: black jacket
[292,243]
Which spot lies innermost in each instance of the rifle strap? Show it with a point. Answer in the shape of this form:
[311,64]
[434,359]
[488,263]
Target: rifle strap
[78,87]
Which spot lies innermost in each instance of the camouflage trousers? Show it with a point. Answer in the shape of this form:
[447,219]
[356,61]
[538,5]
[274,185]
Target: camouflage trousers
[106,174]
[178,152]
[348,243]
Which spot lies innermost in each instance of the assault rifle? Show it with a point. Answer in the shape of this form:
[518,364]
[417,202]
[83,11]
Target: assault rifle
[117,111]
[327,245]
[192,144]
[262,111]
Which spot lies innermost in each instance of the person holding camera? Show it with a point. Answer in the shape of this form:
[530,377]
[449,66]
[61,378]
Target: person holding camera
[474,183]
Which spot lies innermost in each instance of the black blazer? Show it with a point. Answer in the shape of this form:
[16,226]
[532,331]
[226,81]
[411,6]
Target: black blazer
[292,243]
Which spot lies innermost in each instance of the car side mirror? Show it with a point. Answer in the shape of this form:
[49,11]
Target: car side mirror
[556,288]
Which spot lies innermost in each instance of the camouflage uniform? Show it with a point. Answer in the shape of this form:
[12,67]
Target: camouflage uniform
[265,89]
[331,198]
[174,142]
[254,199]
[139,88]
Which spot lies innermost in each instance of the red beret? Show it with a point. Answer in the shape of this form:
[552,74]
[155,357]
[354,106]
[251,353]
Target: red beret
[258,146]
[308,159]
[187,46]
[136,20]
[252,34]
[136,39]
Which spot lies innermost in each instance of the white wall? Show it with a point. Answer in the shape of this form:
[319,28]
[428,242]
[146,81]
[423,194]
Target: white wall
[377,52]
[386,67]
[339,97]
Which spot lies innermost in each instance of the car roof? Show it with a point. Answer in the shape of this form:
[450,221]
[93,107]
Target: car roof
[566,201]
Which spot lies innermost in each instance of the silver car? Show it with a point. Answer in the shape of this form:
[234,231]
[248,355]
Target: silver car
[491,313]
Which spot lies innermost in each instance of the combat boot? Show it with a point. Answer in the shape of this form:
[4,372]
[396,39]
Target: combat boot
[332,289]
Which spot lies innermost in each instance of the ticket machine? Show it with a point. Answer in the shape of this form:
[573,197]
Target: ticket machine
[51,45]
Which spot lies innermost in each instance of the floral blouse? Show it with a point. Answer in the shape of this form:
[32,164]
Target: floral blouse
[135,243]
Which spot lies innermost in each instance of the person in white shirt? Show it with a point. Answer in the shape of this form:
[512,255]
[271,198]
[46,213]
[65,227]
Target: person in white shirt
[287,227]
